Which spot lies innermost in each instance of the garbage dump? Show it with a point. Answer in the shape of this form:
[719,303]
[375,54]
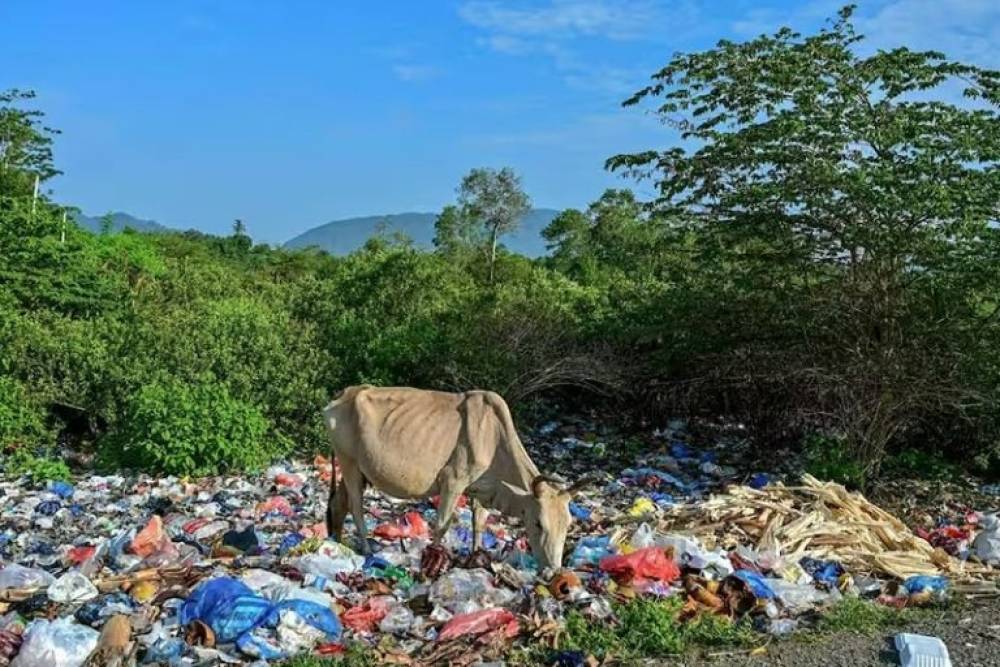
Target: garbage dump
[238,569]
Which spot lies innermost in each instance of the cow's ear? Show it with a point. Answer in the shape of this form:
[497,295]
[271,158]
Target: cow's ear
[519,495]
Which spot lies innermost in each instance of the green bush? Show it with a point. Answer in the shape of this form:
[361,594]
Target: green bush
[828,459]
[22,421]
[190,429]
[23,462]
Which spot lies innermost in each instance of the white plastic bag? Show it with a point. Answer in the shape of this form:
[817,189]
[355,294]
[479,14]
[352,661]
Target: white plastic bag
[986,546]
[59,643]
[72,587]
[18,576]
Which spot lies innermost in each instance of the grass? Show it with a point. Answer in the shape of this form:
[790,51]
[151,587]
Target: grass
[650,629]
[357,655]
[862,617]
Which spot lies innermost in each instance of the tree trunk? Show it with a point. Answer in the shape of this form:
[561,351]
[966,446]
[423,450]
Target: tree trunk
[493,252]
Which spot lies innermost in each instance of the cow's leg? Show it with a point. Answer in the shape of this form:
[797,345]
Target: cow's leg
[450,492]
[479,516]
[336,510]
[354,482]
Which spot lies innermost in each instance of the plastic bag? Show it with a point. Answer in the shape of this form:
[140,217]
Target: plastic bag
[412,525]
[397,621]
[642,566]
[226,605]
[478,622]
[464,591]
[366,617]
[756,584]
[18,576]
[986,546]
[72,587]
[150,539]
[59,643]
[590,550]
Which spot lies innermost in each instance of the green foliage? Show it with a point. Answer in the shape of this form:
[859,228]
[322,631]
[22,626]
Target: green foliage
[920,464]
[22,462]
[356,655]
[22,421]
[843,206]
[827,459]
[649,628]
[179,428]
[853,614]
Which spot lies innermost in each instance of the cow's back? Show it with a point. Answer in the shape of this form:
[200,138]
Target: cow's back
[400,438]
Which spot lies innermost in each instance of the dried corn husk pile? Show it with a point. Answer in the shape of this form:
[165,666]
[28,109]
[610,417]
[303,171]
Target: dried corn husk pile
[822,520]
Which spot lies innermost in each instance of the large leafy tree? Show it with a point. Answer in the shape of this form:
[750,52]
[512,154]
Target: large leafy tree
[491,204]
[860,190]
[25,145]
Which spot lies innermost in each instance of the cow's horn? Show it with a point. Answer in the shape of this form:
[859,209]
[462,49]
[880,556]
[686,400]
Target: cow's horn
[586,480]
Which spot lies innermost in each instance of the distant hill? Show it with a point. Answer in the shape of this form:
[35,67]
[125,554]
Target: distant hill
[340,237]
[119,221]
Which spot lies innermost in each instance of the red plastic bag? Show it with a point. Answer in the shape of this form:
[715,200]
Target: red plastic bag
[479,622]
[287,479]
[641,566]
[277,504]
[150,538]
[366,617]
[315,530]
[78,555]
[412,525]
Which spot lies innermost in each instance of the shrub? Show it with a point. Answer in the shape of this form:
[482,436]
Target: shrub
[195,429]
[22,421]
[827,458]
[23,462]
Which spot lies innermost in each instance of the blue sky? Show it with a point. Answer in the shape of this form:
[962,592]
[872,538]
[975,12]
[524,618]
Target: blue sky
[288,114]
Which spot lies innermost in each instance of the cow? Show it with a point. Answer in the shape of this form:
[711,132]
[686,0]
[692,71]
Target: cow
[414,444]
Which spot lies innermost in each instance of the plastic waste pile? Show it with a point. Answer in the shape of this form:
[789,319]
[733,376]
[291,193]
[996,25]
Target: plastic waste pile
[239,570]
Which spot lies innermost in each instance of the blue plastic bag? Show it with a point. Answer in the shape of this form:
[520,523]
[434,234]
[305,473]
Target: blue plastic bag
[759,480]
[62,489]
[590,550]
[320,617]
[289,541]
[226,605]
[579,512]
[922,583]
[756,583]
[826,573]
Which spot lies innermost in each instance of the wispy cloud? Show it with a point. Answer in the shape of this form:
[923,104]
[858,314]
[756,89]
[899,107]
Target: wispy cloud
[614,19]
[554,29]
[412,73]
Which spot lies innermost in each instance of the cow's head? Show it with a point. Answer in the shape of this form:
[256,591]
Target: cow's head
[545,512]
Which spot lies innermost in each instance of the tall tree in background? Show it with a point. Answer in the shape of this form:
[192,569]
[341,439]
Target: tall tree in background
[25,145]
[858,197]
[491,204]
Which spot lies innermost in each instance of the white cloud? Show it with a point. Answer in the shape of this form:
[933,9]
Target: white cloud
[412,73]
[614,19]
[967,30]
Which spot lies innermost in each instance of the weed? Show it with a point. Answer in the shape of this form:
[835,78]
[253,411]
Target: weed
[923,465]
[649,628]
[859,616]
[357,655]
[22,462]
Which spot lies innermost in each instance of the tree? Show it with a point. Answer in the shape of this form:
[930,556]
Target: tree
[490,204]
[239,227]
[25,145]
[854,184]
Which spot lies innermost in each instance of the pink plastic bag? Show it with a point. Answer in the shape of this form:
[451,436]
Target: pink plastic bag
[150,538]
[479,622]
[412,525]
[641,566]
[366,617]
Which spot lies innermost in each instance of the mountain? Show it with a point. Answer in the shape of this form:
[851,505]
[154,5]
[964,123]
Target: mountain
[119,221]
[340,237]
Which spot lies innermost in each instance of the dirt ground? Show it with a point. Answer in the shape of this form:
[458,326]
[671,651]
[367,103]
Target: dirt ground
[970,630]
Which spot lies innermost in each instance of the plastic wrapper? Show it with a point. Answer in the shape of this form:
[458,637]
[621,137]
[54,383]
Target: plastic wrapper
[72,587]
[479,622]
[18,576]
[59,643]
[641,566]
